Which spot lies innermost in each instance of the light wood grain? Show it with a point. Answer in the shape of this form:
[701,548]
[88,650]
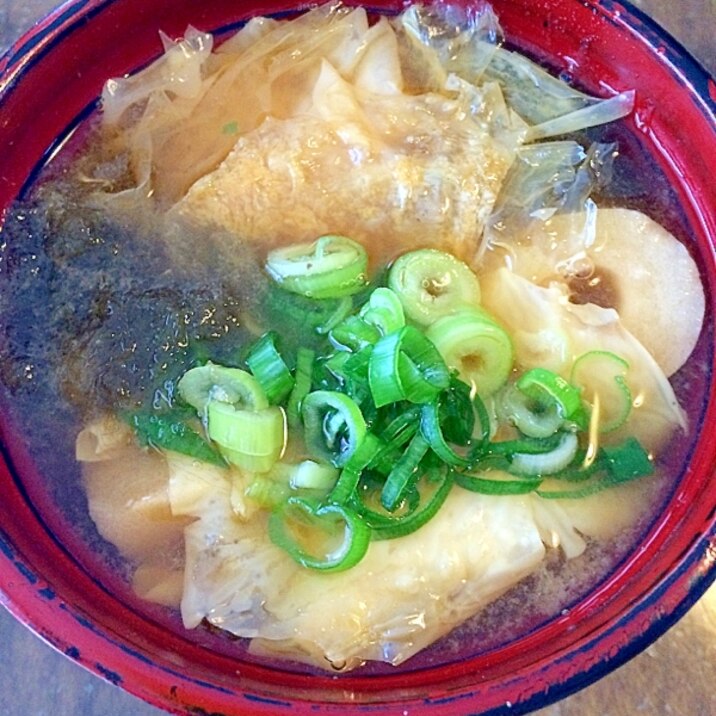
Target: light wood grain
[676,676]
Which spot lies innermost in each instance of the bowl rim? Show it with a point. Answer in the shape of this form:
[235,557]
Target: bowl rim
[39,603]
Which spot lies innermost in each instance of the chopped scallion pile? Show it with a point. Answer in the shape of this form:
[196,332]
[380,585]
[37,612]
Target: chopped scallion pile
[363,432]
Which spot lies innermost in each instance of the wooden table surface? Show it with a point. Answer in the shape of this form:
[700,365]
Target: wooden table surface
[676,676]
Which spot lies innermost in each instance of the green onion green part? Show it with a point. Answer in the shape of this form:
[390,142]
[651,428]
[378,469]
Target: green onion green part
[404,474]
[269,368]
[251,439]
[546,463]
[432,284]
[429,500]
[602,378]
[536,418]
[405,365]
[494,485]
[384,311]
[338,537]
[545,385]
[431,430]
[474,345]
[330,267]
[301,386]
[334,426]
[165,432]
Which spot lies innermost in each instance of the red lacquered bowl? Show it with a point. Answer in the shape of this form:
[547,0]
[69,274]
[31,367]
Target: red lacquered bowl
[52,581]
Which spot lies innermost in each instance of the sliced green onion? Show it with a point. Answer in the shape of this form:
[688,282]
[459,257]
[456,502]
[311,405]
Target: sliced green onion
[541,402]
[431,430]
[166,432]
[334,364]
[530,446]
[432,284]
[627,461]
[615,466]
[540,382]
[386,525]
[351,371]
[334,426]
[496,485]
[408,418]
[389,453]
[343,310]
[480,350]
[330,267]
[392,438]
[601,376]
[297,524]
[351,473]
[392,415]
[534,418]
[457,412]
[302,385]
[354,334]
[405,365]
[270,369]
[207,383]
[547,463]
[311,475]
[582,468]
[251,439]
[483,419]
[384,311]
[404,474]
[345,486]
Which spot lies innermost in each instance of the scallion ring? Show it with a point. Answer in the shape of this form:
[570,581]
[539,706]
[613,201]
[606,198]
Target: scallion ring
[312,475]
[506,485]
[602,377]
[204,384]
[350,476]
[331,267]
[544,385]
[432,284]
[534,417]
[324,537]
[615,465]
[431,430]
[476,347]
[405,365]
[426,503]
[384,311]
[404,474]
[333,426]
[354,334]
[251,439]
[270,369]
[546,463]
[303,377]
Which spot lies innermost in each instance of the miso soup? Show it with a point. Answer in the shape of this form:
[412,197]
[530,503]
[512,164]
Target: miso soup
[341,337]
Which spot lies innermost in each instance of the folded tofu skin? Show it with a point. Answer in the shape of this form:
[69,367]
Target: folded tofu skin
[418,132]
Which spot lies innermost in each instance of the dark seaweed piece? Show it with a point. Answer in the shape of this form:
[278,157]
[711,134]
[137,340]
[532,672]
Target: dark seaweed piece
[115,313]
